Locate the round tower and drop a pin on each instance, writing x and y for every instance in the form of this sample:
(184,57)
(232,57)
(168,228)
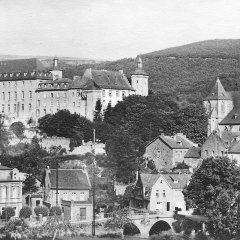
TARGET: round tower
(139,79)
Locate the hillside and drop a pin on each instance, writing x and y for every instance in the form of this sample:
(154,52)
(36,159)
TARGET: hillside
(177,71)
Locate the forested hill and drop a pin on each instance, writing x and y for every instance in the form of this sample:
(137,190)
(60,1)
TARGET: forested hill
(186,72)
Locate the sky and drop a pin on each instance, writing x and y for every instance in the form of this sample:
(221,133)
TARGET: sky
(112,29)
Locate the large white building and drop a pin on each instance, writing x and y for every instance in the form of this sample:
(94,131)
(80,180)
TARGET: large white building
(29,90)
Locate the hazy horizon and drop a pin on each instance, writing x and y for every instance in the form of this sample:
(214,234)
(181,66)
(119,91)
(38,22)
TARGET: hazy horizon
(112,29)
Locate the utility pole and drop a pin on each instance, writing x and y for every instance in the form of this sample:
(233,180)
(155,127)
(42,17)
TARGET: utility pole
(93,186)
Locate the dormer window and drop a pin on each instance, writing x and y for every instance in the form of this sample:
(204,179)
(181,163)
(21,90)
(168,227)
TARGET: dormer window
(24,74)
(32,73)
(213,94)
(17,74)
(234,116)
(11,74)
(5,75)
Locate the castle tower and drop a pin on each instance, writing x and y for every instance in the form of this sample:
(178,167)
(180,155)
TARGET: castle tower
(217,104)
(56,71)
(139,79)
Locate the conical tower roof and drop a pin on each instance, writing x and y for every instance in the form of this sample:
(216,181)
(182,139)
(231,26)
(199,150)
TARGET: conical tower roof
(218,92)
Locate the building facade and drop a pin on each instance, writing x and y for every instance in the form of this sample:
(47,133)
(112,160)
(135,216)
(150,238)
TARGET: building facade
(167,151)
(73,190)
(10,189)
(29,90)
(160,192)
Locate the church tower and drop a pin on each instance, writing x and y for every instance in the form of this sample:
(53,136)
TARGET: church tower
(217,104)
(56,71)
(139,79)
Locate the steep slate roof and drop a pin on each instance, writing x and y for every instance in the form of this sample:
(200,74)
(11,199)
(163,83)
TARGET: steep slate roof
(233,118)
(69,179)
(177,181)
(235,148)
(218,92)
(107,79)
(185,142)
(214,140)
(148,180)
(194,152)
(21,65)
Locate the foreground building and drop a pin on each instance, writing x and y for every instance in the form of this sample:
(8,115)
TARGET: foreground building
(73,192)
(10,189)
(29,90)
(160,192)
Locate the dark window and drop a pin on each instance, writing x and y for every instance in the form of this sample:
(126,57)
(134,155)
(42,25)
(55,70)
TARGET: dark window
(37,202)
(168,206)
(83,213)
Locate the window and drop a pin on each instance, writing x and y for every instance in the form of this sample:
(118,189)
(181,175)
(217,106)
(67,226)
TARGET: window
(15,84)
(78,103)
(14,193)
(82,196)
(117,93)
(23,83)
(15,107)
(73,104)
(168,206)
(51,95)
(30,107)
(83,213)
(2,107)
(30,94)
(234,116)
(213,153)
(110,93)
(9,96)
(157,193)
(9,108)
(3,94)
(164,193)
(65,196)
(38,112)
(9,84)
(123,93)
(78,93)
(222,153)
(74,196)
(44,111)
(15,96)
(22,95)
(37,202)
(103,93)
(22,107)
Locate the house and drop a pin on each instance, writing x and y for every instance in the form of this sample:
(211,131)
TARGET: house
(30,90)
(223,109)
(160,192)
(213,146)
(10,189)
(73,192)
(167,151)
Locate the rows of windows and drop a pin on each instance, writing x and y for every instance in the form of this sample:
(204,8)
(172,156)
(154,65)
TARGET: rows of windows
(16,83)
(118,93)
(15,107)
(15,95)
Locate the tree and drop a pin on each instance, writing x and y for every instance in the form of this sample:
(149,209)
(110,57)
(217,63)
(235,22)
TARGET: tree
(18,129)
(29,185)
(55,211)
(213,191)
(98,111)
(4,135)
(25,212)
(41,210)
(118,219)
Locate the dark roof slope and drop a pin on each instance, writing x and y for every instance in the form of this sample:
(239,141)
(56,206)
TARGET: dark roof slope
(21,65)
(108,79)
(235,148)
(194,152)
(218,92)
(69,179)
(148,180)
(177,181)
(4,168)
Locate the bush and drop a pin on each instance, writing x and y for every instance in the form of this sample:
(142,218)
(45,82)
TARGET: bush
(41,210)
(55,210)
(25,212)
(8,213)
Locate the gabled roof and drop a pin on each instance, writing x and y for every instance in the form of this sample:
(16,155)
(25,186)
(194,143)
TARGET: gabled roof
(218,92)
(214,140)
(148,180)
(177,141)
(235,148)
(194,152)
(21,65)
(177,181)
(70,179)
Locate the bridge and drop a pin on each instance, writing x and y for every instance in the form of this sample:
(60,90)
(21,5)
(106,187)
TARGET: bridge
(150,222)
